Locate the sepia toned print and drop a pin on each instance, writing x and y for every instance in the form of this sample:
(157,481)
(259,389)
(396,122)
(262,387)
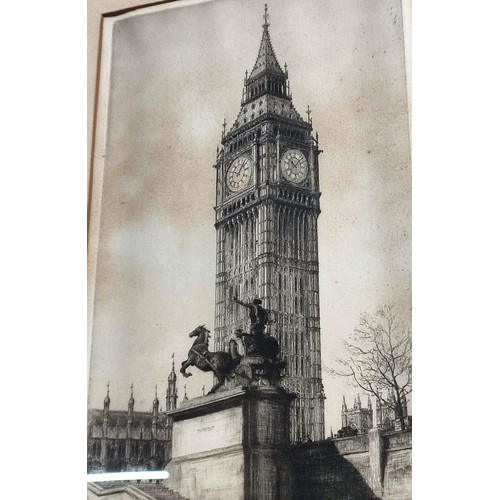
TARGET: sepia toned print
(287,129)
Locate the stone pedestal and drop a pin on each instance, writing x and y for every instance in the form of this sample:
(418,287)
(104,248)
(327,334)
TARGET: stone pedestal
(232,445)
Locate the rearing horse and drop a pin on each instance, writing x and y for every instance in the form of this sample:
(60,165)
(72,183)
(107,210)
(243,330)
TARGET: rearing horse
(221,363)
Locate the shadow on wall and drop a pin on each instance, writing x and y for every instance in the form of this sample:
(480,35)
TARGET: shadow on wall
(321,473)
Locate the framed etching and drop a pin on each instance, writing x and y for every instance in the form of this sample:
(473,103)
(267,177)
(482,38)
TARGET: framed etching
(250,225)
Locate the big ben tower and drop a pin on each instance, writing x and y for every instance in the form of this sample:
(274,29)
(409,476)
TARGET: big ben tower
(267,208)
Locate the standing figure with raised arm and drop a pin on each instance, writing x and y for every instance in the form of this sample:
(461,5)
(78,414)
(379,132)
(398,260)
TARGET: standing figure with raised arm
(258,315)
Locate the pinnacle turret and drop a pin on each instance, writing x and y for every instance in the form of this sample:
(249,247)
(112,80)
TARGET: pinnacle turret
(173,376)
(172,388)
(107,400)
(156,401)
(131,401)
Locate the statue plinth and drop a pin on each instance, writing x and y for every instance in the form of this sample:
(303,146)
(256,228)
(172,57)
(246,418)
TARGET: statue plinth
(232,444)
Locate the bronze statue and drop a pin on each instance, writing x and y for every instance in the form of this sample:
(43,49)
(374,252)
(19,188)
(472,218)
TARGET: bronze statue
(221,363)
(256,342)
(258,315)
(259,366)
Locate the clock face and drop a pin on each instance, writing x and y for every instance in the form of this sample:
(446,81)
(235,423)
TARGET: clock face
(238,174)
(294,165)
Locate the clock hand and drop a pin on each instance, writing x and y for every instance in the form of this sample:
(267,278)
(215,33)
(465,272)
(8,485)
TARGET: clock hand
(241,166)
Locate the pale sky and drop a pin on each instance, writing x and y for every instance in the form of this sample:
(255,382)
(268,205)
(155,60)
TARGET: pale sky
(176,74)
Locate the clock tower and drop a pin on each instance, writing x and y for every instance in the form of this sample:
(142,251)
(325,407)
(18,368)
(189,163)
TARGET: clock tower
(267,208)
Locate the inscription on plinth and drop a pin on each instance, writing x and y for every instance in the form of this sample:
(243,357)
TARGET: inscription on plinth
(207,432)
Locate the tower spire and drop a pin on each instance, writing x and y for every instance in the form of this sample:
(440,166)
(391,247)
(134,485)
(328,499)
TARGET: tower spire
(266,59)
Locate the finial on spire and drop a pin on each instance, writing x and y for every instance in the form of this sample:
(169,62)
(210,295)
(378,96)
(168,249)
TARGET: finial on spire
(132,390)
(107,389)
(309,115)
(156,390)
(185,393)
(173,361)
(224,128)
(266,17)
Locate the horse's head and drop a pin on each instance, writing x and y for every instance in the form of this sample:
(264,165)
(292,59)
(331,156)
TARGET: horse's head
(199,331)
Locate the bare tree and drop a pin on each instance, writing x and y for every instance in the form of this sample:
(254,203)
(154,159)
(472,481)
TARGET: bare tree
(378,359)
